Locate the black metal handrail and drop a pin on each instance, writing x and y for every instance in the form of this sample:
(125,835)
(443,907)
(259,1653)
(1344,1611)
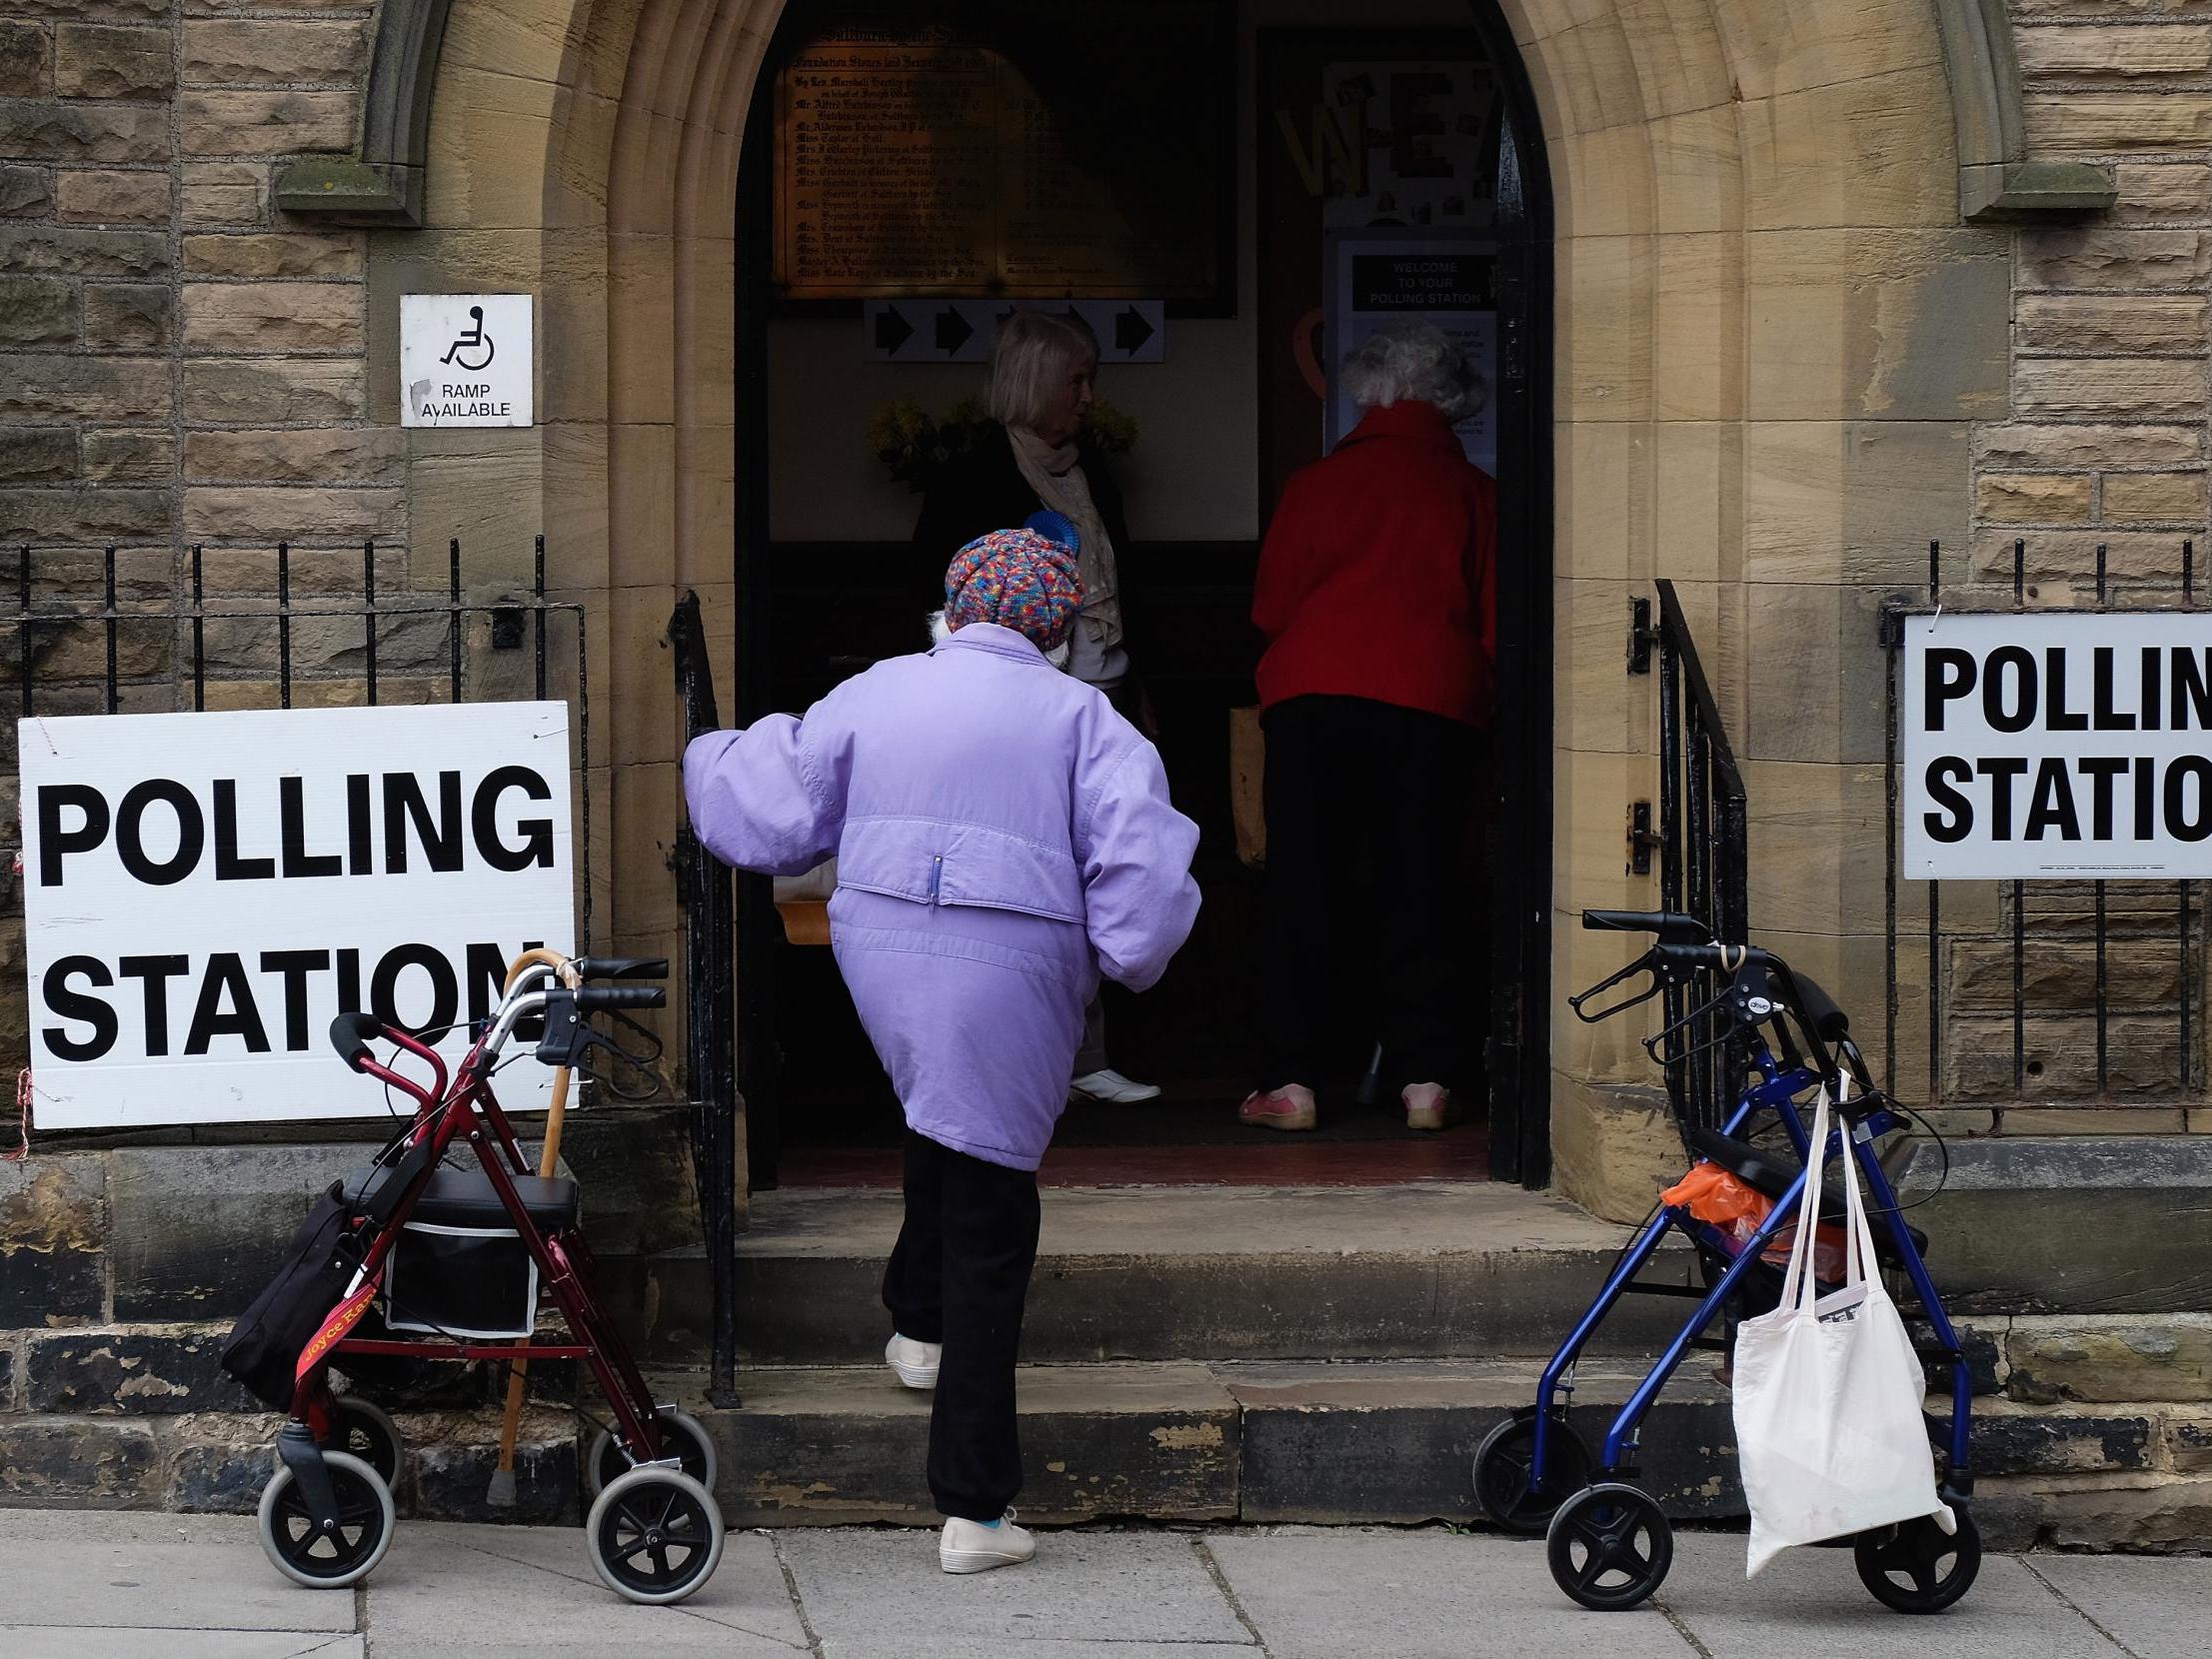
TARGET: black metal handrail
(1704,856)
(710,919)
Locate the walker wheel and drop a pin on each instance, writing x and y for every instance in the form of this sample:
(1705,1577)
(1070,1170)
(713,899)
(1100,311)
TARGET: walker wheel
(1611,1546)
(366,1430)
(654,1535)
(1916,1567)
(682,1435)
(1501,1471)
(328,1561)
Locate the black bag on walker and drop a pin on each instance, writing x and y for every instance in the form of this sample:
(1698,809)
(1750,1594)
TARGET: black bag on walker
(263,1347)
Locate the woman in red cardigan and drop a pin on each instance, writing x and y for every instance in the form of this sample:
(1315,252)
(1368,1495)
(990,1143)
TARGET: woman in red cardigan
(1378,596)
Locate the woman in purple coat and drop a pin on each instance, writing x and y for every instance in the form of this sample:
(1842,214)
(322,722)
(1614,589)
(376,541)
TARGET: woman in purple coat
(1003,839)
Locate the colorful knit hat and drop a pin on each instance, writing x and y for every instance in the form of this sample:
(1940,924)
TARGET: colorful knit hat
(1019,580)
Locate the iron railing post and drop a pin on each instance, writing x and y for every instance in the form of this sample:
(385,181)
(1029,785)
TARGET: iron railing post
(708,932)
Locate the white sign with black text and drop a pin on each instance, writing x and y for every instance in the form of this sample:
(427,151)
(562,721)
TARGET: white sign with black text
(2057,746)
(465,360)
(1376,278)
(205,892)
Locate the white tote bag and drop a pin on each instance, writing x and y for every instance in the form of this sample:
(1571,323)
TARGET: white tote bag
(1828,1393)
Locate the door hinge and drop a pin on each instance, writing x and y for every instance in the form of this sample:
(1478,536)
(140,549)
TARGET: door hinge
(1641,838)
(1642,636)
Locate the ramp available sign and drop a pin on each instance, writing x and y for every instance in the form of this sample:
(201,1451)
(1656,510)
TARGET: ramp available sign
(2057,746)
(204,893)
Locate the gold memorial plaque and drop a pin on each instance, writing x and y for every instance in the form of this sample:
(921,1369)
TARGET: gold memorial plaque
(933,165)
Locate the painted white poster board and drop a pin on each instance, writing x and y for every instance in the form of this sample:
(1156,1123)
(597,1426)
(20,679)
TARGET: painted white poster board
(205,892)
(2057,746)
(1443,278)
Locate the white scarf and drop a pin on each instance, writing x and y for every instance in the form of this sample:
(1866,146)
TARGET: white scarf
(1054,473)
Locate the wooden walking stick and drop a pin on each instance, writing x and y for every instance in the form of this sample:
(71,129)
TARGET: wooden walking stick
(500,1494)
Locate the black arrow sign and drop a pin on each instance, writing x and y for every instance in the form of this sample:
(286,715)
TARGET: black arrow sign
(953,330)
(891,329)
(1131,331)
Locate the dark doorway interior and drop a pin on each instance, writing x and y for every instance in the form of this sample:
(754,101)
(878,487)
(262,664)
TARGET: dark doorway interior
(810,612)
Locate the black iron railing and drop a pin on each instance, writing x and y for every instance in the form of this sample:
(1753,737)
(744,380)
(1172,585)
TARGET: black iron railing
(704,886)
(2035,935)
(1703,845)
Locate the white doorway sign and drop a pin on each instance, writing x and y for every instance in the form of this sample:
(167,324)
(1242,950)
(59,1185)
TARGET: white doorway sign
(204,893)
(465,360)
(2066,745)
(1446,279)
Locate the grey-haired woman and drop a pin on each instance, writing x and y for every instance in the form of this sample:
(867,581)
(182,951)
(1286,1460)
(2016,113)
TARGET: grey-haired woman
(1034,456)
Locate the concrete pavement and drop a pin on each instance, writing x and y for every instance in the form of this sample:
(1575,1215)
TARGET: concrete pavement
(78,1584)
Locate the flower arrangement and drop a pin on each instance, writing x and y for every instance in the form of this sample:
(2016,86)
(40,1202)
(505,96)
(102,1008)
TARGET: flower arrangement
(1112,430)
(914,446)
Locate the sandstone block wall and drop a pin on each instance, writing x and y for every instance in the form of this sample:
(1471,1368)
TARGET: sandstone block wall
(2103,444)
(1783,367)
(173,351)
(181,365)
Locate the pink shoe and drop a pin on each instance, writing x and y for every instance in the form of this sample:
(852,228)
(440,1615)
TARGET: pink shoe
(1429,1106)
(1288,1107)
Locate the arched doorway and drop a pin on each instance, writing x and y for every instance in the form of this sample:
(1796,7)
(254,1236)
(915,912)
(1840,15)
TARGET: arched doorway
(819,586)
(1775,332)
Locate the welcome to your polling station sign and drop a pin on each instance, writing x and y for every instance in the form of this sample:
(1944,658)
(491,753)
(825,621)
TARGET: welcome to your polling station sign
(205,892)
(2057,746)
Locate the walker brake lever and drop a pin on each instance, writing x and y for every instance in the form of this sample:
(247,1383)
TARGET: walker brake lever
(1652,1045)
(654,1047)
(571,1042)
(1642,964)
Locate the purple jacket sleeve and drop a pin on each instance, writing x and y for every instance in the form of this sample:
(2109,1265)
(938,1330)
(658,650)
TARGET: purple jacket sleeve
(1139,898)
(757,802)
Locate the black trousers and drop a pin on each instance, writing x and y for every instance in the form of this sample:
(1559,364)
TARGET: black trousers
(1368,801)
(958,1275)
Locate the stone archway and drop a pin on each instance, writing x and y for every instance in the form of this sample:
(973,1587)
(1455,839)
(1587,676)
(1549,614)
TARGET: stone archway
(1773,331)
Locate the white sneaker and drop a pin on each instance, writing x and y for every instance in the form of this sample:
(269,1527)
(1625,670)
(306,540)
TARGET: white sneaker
(971,1547)
(1112,1087)
(915,1362)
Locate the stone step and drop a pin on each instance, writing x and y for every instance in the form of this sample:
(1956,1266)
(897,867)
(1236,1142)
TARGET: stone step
(1256,1441)
(1384,1441)
(1424,1270)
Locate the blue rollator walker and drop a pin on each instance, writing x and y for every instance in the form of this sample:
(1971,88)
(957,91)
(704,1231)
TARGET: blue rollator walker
(1608,1542)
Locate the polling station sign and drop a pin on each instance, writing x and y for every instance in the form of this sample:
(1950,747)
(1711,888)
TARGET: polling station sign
(2057,746)
(205,892)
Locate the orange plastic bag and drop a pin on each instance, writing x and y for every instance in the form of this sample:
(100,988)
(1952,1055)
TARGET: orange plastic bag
(1714,1195)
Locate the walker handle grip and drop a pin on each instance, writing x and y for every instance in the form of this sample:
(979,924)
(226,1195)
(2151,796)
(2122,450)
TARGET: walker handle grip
(1672,927)
(620,967)
(351,1033)
(592,998)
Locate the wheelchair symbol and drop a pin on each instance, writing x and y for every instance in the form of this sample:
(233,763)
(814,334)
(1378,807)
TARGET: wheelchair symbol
(475,340)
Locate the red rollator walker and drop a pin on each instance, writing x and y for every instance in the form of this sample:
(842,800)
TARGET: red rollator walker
(467,1258)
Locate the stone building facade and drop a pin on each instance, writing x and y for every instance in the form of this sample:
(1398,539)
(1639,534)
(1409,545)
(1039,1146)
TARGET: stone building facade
(1833,280)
